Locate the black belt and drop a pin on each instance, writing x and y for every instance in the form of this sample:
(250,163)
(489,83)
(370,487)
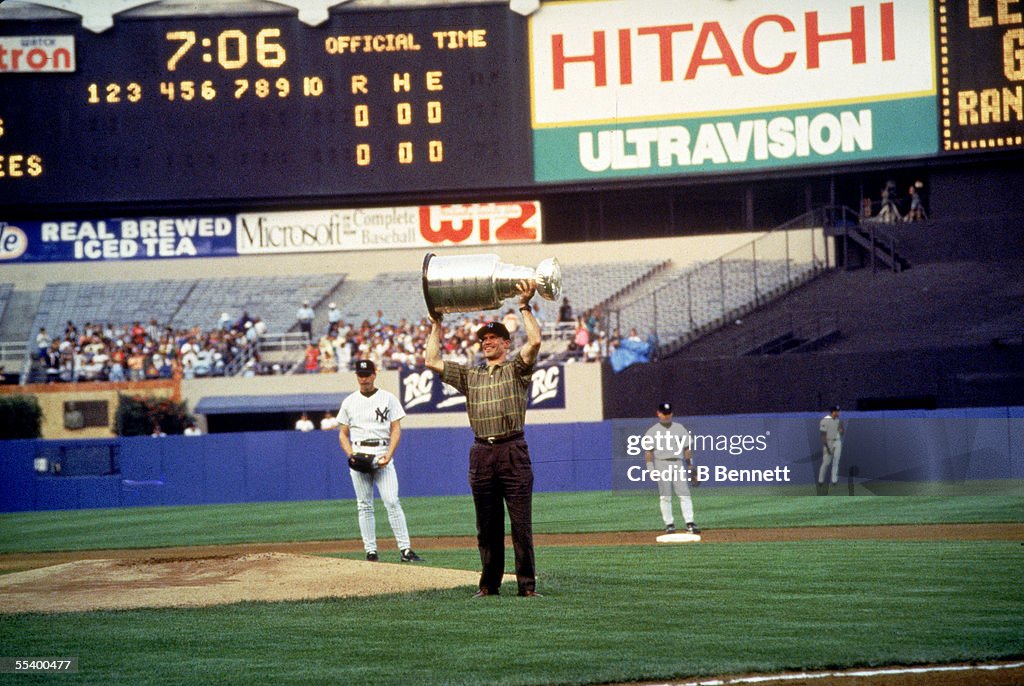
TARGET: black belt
(373,443)
(494,440)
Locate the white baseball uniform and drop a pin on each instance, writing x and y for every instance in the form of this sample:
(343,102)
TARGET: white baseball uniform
(670,442)
(369,421)
(832,427)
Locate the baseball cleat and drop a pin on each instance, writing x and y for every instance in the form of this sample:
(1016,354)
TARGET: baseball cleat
(409,556)
(692,528)
(372,556)
(670,528)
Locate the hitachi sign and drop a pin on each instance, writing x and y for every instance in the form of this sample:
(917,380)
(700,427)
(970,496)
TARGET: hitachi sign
(34,54)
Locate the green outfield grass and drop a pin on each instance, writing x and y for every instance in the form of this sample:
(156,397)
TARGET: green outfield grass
(453,516)
(609,614)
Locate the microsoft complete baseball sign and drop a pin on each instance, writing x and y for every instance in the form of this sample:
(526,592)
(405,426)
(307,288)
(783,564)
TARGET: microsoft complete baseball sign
(625,89)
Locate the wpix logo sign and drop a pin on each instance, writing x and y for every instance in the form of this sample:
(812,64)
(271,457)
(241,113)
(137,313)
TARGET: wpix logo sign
(423,391)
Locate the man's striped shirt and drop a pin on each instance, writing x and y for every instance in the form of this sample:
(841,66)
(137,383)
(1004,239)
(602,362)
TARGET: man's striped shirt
(495,396)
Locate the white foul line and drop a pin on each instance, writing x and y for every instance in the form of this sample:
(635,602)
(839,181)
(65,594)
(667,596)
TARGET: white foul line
(831,675)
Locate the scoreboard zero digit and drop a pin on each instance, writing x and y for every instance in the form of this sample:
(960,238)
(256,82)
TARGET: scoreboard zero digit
(262,108)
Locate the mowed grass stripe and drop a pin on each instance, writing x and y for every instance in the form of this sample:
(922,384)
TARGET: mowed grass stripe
(594,511)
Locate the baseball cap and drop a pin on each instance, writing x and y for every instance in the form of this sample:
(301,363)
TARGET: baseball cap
(665,408)
(497,328)
(834,408)
(365,368)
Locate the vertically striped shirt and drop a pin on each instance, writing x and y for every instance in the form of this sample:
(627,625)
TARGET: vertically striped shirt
(495,396)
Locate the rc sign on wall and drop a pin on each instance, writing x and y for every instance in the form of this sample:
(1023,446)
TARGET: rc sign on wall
(423,391)
(665,87)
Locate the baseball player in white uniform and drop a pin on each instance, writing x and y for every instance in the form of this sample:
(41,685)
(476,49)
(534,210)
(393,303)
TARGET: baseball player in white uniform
(831,430)
(370,423)
(671,441)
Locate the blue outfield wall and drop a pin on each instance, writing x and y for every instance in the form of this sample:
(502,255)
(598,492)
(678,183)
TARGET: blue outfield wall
(281,465)
(880,448)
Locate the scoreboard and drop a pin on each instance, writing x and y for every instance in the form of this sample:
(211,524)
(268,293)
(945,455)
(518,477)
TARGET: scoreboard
(169,108)
(235,108)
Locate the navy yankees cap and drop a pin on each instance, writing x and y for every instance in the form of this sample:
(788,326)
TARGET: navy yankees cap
(665,408)
(365,368)
(497,328)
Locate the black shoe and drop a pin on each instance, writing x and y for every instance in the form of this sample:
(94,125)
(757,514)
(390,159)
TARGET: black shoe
(409,556)
(692,528)
(372,556)
(670,528)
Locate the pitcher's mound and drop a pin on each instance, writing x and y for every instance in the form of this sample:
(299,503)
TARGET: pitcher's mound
(124,584)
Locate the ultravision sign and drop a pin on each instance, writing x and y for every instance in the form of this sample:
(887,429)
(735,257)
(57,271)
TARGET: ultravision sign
(664,87)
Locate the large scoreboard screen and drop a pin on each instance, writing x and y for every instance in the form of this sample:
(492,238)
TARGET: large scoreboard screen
(178,108)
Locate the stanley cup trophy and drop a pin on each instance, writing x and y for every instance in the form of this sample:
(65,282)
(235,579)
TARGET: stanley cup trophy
(467,283)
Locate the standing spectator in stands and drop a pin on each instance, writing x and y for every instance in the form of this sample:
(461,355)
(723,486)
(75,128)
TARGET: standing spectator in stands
(305,316)
(224,323)
(916,213)
(592,353)
(329,422)
(136,364)
(138,334)
(379,322)
(261,328)
(333,317)
(42,343)
(328,361)
(565,311)
(304,424)
(312,358)
(158,432)
(118,360)
(581,339)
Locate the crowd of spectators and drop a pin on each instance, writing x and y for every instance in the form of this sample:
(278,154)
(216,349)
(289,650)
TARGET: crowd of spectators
(135,352)
(393,345)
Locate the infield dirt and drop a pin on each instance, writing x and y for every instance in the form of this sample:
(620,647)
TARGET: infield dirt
(76,581)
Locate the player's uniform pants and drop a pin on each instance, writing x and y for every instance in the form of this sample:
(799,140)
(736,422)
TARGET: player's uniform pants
(830,456)
(679,485)
(386,480)
(501,475)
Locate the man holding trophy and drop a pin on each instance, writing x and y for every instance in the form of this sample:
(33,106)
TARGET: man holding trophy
(500,473)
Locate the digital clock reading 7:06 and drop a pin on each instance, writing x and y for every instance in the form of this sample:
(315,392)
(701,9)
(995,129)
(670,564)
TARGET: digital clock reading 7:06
(266,108)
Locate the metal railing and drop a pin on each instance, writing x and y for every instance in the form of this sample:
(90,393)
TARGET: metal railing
(712,293)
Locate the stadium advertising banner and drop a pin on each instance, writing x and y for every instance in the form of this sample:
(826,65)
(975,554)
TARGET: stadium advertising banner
(624,89)
(424,392)
(145,238)
(425,226)
(981,58)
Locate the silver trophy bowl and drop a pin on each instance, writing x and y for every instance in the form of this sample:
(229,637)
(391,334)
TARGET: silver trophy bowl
(467,283)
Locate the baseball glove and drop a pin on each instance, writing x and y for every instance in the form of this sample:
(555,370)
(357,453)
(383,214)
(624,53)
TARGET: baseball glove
(694,478)
(361,462)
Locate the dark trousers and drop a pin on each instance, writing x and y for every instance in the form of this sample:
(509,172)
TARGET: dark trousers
(501,475)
